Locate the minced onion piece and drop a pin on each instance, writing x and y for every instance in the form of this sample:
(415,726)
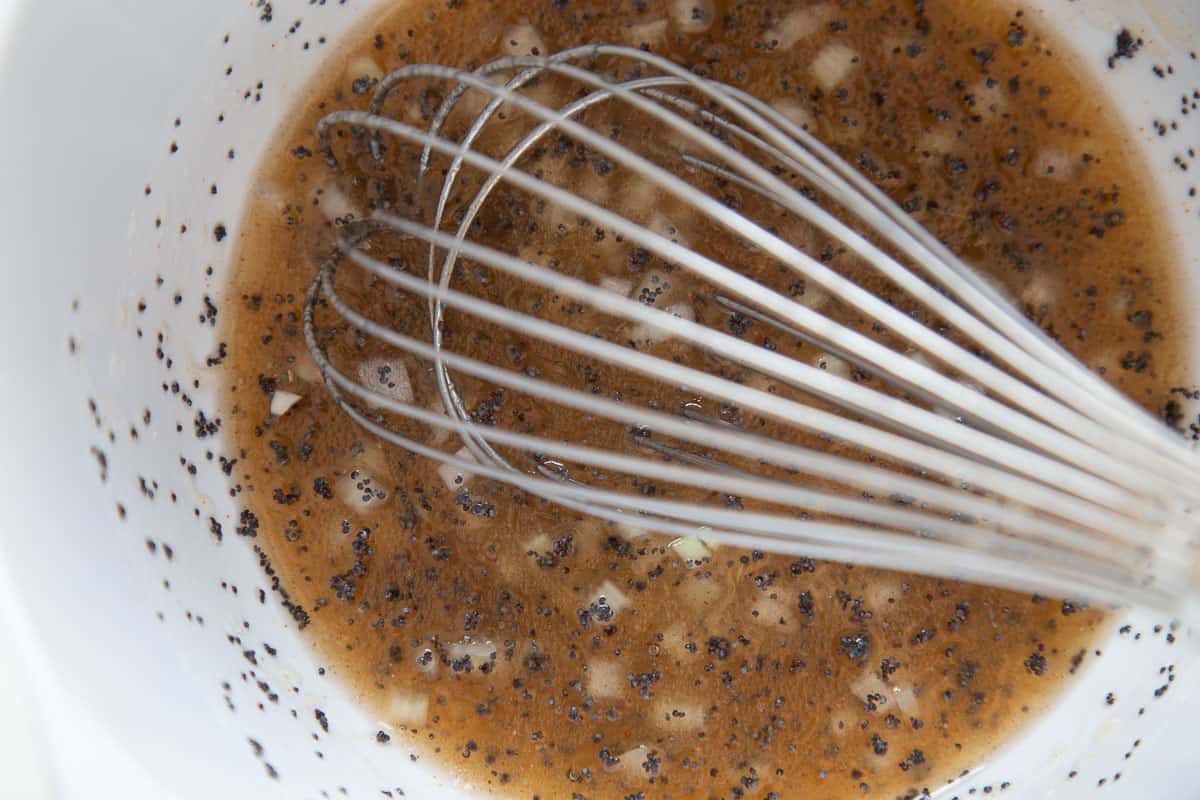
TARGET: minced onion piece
(795,112)
(480,651)
(895,696)
(456,481)
(358,489)
(832,365)
(605,679)
(630,763)
(833,64)
(523,40)
(691,549)
(647,33)
(796,25)
(1054,164)
(692,16)
(613,597)
(621,286)
(387,378)
(282,402)
(363,67)
(408,708)
(652,333)
(334,203)
(770,611)
(678,716)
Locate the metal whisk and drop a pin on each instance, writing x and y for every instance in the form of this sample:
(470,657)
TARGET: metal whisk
(990,455)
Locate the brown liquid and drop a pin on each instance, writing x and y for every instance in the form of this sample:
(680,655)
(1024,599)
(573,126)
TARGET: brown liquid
(466,617)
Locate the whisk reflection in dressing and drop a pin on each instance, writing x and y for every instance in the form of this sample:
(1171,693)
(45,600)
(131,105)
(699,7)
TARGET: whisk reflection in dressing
(1019,468)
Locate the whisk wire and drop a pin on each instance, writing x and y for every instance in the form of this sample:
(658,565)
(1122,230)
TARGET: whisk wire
(1000,483)
(964,541)
(969,401)
(1041,478)
(830,387)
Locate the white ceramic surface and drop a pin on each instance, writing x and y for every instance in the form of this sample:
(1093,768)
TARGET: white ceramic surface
(189,662)
(23,762)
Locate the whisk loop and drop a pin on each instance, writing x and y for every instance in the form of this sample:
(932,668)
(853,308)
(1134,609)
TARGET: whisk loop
(991,455)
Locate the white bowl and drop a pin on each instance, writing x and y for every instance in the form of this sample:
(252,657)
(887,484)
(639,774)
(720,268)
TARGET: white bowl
(91,99)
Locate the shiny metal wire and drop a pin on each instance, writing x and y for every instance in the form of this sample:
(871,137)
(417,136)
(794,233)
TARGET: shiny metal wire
(1025,470)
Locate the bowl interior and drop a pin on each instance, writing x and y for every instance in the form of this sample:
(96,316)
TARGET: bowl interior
(153,613)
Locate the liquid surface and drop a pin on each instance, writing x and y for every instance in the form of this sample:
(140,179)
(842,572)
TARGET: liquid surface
(546,654)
